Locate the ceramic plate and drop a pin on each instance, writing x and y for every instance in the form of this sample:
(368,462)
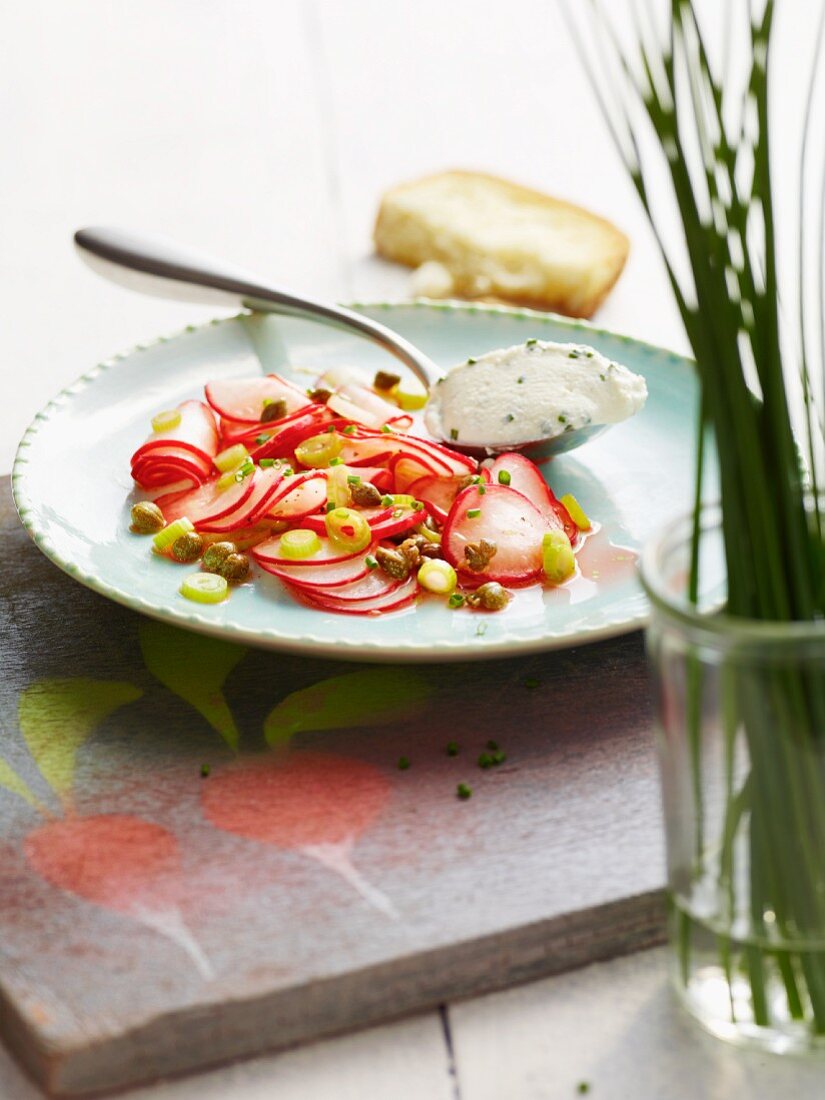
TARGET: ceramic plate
(73,490)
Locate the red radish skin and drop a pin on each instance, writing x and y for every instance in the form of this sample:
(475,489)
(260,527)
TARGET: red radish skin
(314,803)
(396,597)
(269,552)
(525,478)
(506,518)
(188,448)
(121,863)
(310,577)
(242,399)
(207,503)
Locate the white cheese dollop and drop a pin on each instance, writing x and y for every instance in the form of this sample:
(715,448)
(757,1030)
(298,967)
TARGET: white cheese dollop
(531,391)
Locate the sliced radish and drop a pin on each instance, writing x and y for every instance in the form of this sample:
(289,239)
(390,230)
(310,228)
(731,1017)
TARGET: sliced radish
(320,577)
(189,447)
(506,518)
(392,598)
(437,493)
(302,500)
(269,553)
(284,440)
(525,478)
(406,471)
(242,399)
(378,410)
(206,503)
(398,522)
(373,516)
(378,476)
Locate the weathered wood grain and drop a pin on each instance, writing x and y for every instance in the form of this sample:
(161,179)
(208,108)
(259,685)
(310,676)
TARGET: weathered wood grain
(221,945)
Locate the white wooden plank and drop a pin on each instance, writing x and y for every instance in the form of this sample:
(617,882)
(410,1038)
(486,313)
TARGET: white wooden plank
(618,1027)
(406,1061)
(497,89)
(195,120)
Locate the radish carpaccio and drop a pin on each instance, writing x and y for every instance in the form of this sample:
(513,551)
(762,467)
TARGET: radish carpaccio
(338,493)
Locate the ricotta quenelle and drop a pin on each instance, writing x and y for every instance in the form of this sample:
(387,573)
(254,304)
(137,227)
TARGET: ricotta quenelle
(531,391)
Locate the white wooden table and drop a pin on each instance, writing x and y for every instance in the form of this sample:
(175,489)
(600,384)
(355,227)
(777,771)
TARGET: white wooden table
(265,131)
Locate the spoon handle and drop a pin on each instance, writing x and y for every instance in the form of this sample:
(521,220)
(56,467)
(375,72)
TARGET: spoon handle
(155,266)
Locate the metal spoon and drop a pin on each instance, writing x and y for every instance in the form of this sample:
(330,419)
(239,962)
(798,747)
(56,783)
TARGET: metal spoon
(163,269)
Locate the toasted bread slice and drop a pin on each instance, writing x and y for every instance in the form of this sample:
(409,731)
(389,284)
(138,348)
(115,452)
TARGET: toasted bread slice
(499,240)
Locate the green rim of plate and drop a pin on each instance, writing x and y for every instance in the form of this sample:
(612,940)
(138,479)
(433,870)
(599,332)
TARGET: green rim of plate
(315,644)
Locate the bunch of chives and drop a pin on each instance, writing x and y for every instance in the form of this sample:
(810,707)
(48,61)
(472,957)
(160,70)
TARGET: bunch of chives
(658,90)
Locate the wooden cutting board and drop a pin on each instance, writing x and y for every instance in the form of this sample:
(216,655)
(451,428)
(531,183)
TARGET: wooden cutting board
(155,918)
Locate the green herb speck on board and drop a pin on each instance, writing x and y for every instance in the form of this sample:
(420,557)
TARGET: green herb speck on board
(531,682)
(205,770)
(403,763)
(464,792)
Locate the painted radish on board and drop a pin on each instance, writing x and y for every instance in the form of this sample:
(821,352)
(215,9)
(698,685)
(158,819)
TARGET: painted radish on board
(314,803)
(118,861)
(121,863)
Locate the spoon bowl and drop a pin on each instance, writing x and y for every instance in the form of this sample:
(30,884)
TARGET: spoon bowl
(158,267)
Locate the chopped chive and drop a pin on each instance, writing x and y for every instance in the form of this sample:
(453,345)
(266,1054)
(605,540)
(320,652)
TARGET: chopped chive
(453,433)
(371,563)
(403,763)
(456,600)
(263,438)
(562,418)
(266,463)
(504,477)
(353,479)
(574,355)
(416,505)
(531,682)
(205,770)
(471,361)
(499,757)
(473,513)
(492,746)
(485,761)
(583,1087)
(349,430)
(463,791)
(452,748)
(530,343)
(509,418)
(330,430)
(603,377)
(336,462)
(387,500)
(288,471)
(520,379)
(386,428)
(330,506)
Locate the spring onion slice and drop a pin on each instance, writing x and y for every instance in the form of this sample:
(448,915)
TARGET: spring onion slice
(437,576)
(557,557)
(205,588)
(338,493)
(231,458)
(299,544)
(348,530)
(319,450)
(576,512)
(167,420)
(172,532)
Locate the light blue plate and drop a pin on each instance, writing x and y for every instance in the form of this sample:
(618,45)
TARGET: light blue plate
(73,490)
